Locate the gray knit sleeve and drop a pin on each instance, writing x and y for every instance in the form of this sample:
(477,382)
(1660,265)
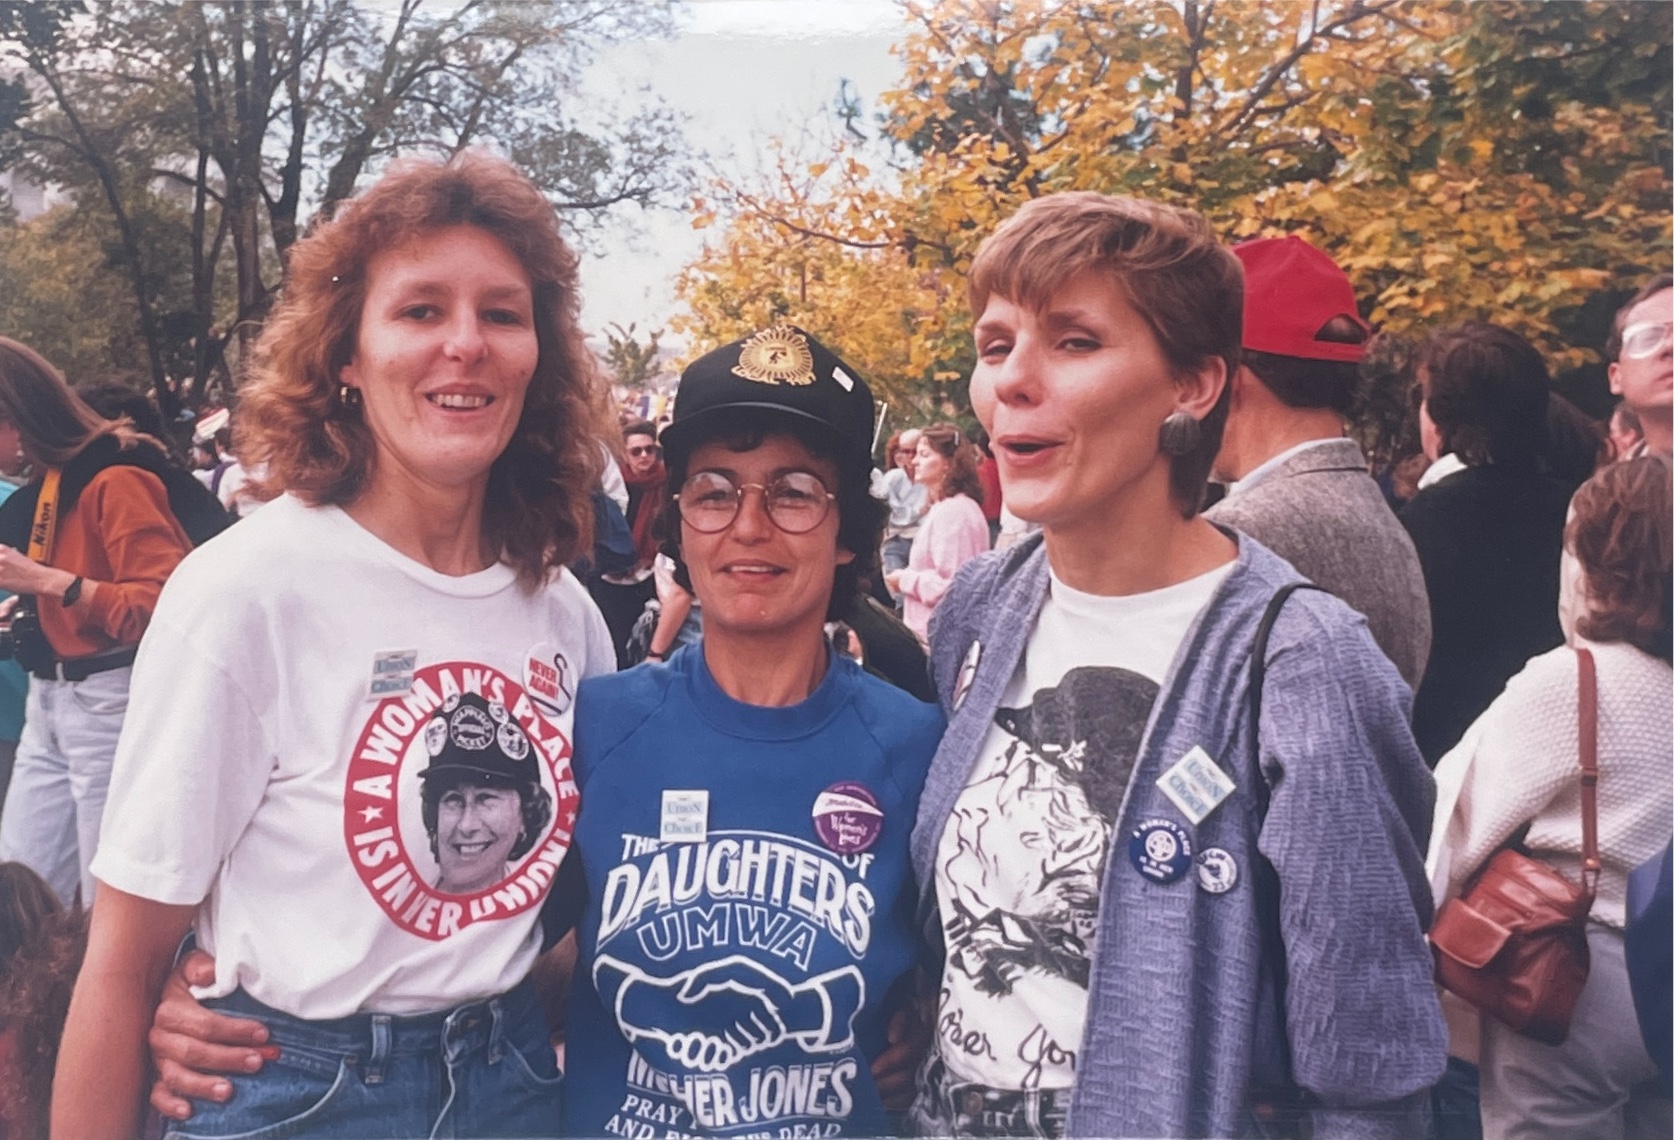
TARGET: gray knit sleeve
(1345,831)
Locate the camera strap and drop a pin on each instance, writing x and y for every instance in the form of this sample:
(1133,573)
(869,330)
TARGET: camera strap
(45,527)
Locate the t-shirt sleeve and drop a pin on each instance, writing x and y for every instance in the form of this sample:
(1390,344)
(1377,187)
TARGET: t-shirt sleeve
(193,763)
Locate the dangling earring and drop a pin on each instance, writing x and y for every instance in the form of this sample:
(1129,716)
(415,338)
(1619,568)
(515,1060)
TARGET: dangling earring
(1179,435)
(349,396)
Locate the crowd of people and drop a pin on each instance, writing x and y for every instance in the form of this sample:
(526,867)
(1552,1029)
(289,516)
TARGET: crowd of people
(519,770)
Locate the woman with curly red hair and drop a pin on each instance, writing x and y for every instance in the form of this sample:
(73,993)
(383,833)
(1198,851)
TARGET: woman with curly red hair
(396,629)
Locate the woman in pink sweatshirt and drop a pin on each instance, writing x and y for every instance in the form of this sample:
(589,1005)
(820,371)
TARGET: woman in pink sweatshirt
(952,533)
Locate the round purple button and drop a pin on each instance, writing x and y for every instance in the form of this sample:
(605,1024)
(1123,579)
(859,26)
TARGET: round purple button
(847,818)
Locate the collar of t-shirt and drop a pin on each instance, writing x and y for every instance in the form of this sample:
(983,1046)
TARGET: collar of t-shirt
(1141,632)
(759,722)
(1263,470)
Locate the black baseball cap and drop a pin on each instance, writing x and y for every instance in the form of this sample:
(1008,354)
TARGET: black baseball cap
(474,739)
(780,369)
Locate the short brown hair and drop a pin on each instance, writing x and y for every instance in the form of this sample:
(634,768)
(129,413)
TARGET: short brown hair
(956,447)
(1613,345)
(1186,285)
(290,416)
(1623,537)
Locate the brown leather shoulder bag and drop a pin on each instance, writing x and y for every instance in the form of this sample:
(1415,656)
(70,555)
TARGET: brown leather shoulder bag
(1514,943)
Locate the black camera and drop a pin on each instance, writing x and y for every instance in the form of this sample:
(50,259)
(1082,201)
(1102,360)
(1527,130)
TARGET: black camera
(24,639)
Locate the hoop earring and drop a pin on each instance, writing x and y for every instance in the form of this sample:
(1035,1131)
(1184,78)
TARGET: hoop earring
(349,396)
(1179,435)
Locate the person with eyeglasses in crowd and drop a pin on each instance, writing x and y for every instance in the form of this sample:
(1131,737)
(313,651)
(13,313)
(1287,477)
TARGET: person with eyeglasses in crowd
(1640,351)
(1641,355)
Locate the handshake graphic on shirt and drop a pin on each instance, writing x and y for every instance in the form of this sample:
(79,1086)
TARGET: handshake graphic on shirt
(710,1017)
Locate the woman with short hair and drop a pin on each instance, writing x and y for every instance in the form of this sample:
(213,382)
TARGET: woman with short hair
(1171,906)
(749,927)
(399,613)
(954,530)
(1518,766)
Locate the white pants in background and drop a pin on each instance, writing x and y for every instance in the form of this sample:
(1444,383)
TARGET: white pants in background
(1600,1084)
(51,817)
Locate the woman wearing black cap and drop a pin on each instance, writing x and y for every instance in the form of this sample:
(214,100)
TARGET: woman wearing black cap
(484,806)
(748,929)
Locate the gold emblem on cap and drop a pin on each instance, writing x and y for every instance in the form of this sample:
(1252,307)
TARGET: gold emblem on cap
(779,355)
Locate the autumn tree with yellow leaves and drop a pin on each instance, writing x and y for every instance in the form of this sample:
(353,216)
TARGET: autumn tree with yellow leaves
(1499,160)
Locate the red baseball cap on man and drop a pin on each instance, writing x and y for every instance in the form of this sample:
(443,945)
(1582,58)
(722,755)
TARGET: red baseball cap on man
(1291,292)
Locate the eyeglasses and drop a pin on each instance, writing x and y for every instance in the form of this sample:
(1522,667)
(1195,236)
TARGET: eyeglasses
(648,449)
(796,501)
(1644,339)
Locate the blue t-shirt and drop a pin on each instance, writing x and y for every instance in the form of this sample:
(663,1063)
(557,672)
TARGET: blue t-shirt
(750,902)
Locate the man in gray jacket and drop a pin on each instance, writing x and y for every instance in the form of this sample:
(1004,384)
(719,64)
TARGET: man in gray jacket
(1297,484)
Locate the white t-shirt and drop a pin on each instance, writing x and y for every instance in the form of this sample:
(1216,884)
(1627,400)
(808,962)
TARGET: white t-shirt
(1019,867)
(270,763)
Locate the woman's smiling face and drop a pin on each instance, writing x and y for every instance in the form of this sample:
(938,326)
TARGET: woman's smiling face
(752,577)
(444,354)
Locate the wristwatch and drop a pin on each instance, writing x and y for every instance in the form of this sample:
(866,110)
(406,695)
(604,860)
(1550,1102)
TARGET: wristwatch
(72,592)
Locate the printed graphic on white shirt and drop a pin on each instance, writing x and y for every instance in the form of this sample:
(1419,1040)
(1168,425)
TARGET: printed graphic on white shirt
(731,966)
(1019,869)
(460,802)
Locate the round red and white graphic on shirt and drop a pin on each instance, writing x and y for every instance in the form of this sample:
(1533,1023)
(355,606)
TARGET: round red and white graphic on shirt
(460,801)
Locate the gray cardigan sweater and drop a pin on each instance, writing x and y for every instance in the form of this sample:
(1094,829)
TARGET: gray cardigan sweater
(1183,1024)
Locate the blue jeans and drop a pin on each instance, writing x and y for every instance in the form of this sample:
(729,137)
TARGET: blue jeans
(482,1070)
(894,552)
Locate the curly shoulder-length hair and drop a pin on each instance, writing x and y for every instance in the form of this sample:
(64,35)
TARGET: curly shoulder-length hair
(956,447)
(315,445)
(41,948)
(1622,534)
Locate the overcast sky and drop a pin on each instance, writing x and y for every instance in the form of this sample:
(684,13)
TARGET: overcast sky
(742,71)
